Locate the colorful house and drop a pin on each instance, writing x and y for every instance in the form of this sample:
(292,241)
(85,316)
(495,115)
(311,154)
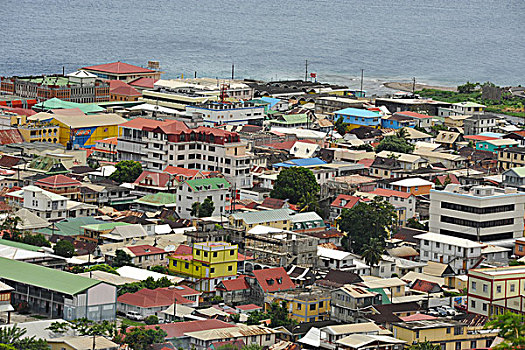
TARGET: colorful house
(358,117)
(398,122)
(496,145)
(84,131)
(304,305)
(208,264)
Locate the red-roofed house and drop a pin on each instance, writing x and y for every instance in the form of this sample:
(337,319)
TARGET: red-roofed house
(9,136)
(152,301)
(234,291)
(154,182)
(344,201)
(404,202)
(178,329)
(121,71)
(422,120)
(121,91)
(268,281)
(62,185)
(274,203)
(426,287)
(183,174)
(248,308)
(146,256)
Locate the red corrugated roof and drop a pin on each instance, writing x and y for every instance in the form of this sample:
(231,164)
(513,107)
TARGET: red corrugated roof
(273,280)
(424,286)
(158,297)
(390,193)
(177,329)
(125,90)
(119,68)
(350,201)
(238,283)
(183,250)
(141,250)
(248,307)
(479,137)
(20,111)
(110,140)
(366,162)
(57,181)
(143,82)
(182,173)
(417,317)
(10,136)
(158,179)
(273,203)
(414,114)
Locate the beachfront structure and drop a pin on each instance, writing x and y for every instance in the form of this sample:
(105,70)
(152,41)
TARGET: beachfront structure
(58,294)
(121,71)
(191,191)
(207,264)
(483,213)
(494,291)
(358,117)
(236,113)
(81,87)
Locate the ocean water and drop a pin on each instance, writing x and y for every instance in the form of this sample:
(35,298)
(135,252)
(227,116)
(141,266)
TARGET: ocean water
(438,42)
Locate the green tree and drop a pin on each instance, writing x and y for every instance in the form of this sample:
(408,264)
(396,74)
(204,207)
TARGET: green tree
(64,248)
(252,347)
(86,327)
(38,240)
(414,223)
(426,345)
(367,220)
(195,209)
(7,347)
(279,315)
(395,143)
(467,88)
(511,328)
(10,228)
(309,202)
(206,208)
(140,338)
(122,259)
(372,252)
(127,171)
(101,267)
(293,183)
(15,337)
(341,126)
(148,283)
(151,319)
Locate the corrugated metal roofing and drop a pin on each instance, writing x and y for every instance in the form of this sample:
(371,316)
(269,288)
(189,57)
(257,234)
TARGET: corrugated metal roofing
(263,216)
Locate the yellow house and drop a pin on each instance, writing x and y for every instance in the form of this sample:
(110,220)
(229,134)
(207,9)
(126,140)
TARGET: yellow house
(85,130)
(449,334)
(277,218)
(304,305)
(208,264)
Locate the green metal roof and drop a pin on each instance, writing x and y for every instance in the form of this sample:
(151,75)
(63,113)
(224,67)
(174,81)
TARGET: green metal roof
(49,165)
(14,244)
(49,80)
(70,227)
(44,277)
(214,183)
(384,296)
(291,119)
(56,103)
(105,226)
(158,199)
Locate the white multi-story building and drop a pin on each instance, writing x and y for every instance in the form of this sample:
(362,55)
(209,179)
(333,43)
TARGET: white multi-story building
(46,205)
(157,144)
(461,254)
(236,113)
(481,213)
(198,190)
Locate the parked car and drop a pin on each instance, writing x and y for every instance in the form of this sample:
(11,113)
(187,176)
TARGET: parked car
(134,315)
(450,311)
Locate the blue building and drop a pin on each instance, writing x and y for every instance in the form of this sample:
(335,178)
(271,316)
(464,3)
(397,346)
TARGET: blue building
(299,162)
(358,117)
(397,122)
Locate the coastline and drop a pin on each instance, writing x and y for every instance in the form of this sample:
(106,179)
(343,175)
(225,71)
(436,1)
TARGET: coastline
(408,86)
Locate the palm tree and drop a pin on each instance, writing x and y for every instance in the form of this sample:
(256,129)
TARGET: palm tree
(308,202)
(426,345)
(372,252)
(402,133)
(195,209)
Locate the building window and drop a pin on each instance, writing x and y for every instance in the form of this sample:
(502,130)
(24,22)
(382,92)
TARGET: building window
(473,285)
(230,268)
(312,307)
(212,270)
(458,330)
(484,307)
(448,330)
(417,334)
(485,288)
(473,344)
(472,303)
(299,306)
(512,287)
(498,289)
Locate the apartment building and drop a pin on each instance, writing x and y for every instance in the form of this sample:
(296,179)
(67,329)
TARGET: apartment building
(160,144)
(481,213)
(46,205)
(511,157)
(494,291)
(207,265)
(304,305)
(198,190)
(350,302)
(479,123)
(62,185)
(461,254)
(235,113)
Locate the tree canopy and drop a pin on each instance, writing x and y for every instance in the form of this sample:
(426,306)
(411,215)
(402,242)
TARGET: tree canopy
(122,259)
(148,283)
(204,209)
(277,313)
(372,252)
(366,221)
(127,171)
(140,338)
(426,345)
(64,248)
(294,183)
(15,338)
(511,328)
(395,143)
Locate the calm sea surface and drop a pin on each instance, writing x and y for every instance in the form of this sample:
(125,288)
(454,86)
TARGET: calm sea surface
(440,42)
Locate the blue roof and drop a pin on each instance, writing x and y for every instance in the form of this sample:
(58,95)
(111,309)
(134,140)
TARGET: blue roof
(300,162)
(357,112)
(270,100)
(492,134)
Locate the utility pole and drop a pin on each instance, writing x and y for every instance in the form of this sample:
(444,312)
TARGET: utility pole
(362,74)
(413,85)
(233,71)
(306,71)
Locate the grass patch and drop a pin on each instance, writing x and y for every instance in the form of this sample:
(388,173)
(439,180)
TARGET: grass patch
(130,323)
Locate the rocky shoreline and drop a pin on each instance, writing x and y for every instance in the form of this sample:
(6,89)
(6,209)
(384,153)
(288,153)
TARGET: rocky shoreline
(408,86)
